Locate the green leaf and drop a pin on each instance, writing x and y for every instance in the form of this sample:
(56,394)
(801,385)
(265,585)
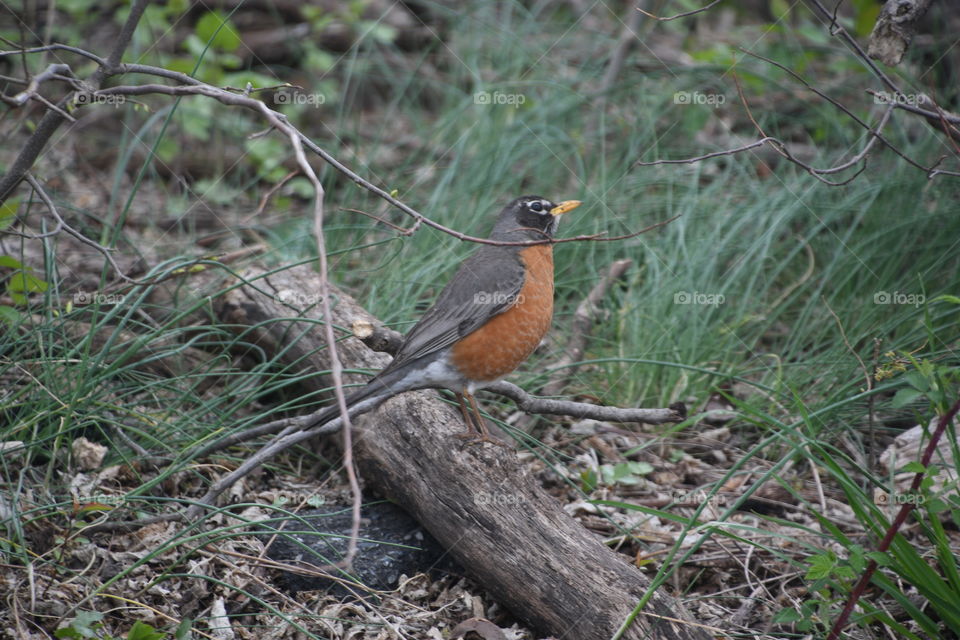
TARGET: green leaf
(8,212)
(821,566)
(640,468)
(947,298)
(9,315)
(318,60)
(10,261)
(216,191)
(779,9)
(914,467)
(917,380)
(904,397)
(301,188)
(84,625)
(588,481)
(24,282)
(926,369)
(214,28)
(183,630)
(845,573)
(142,631)
(176,7)
(787,616)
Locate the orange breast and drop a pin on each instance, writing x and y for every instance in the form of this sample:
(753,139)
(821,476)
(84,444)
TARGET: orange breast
(507,339)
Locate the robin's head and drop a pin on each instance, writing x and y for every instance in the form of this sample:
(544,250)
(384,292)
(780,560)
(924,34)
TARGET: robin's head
(530,218)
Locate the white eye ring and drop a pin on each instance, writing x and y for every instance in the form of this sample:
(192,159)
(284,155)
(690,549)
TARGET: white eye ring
(536,205)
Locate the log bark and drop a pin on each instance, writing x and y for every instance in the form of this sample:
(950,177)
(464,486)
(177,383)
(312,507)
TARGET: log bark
(478,501)
(895,28)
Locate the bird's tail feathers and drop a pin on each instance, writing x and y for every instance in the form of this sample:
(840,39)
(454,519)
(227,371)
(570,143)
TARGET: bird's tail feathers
(362,400)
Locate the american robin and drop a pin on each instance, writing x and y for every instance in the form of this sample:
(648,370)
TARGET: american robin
(486,321)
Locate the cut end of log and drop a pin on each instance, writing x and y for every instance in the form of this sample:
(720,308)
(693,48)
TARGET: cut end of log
(362,329)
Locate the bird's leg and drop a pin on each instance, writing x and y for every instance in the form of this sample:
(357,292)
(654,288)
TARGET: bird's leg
(476,426)
(481,423)
(471,431)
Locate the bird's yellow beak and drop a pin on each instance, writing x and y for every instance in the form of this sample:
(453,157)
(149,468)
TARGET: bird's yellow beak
(563,207)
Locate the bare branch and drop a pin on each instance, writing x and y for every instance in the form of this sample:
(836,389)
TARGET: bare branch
(404,231)
(56,47)
(875,134)
(776,144)
(73,232)
(291,431)
(52,71)
(52,119)
(837,30)
(685,14)
(580,410)
(336,366)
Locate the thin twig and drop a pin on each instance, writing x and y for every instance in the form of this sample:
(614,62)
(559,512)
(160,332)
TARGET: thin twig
(56,47)
(875,132)
(401,230)
(685,14)
(192,86)
(773,142)
(52,71)
(269,194)
(336,366)
(73,232)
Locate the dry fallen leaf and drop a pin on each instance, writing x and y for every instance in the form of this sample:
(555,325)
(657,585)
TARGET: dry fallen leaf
(87,454)
(478,627)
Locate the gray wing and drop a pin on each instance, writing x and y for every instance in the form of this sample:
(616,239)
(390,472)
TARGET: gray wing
(486,284)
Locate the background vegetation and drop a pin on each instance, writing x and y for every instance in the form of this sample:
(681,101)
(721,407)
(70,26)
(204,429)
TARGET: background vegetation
(825,316)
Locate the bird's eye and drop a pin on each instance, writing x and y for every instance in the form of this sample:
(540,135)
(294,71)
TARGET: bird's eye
(536,206)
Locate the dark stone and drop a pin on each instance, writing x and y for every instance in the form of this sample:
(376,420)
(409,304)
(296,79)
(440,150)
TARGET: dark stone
(391,544)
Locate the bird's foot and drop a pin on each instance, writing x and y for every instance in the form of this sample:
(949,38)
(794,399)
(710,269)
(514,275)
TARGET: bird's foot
(473,436)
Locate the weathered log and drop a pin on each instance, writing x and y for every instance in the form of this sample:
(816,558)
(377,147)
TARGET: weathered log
(895,28)
(478,501)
